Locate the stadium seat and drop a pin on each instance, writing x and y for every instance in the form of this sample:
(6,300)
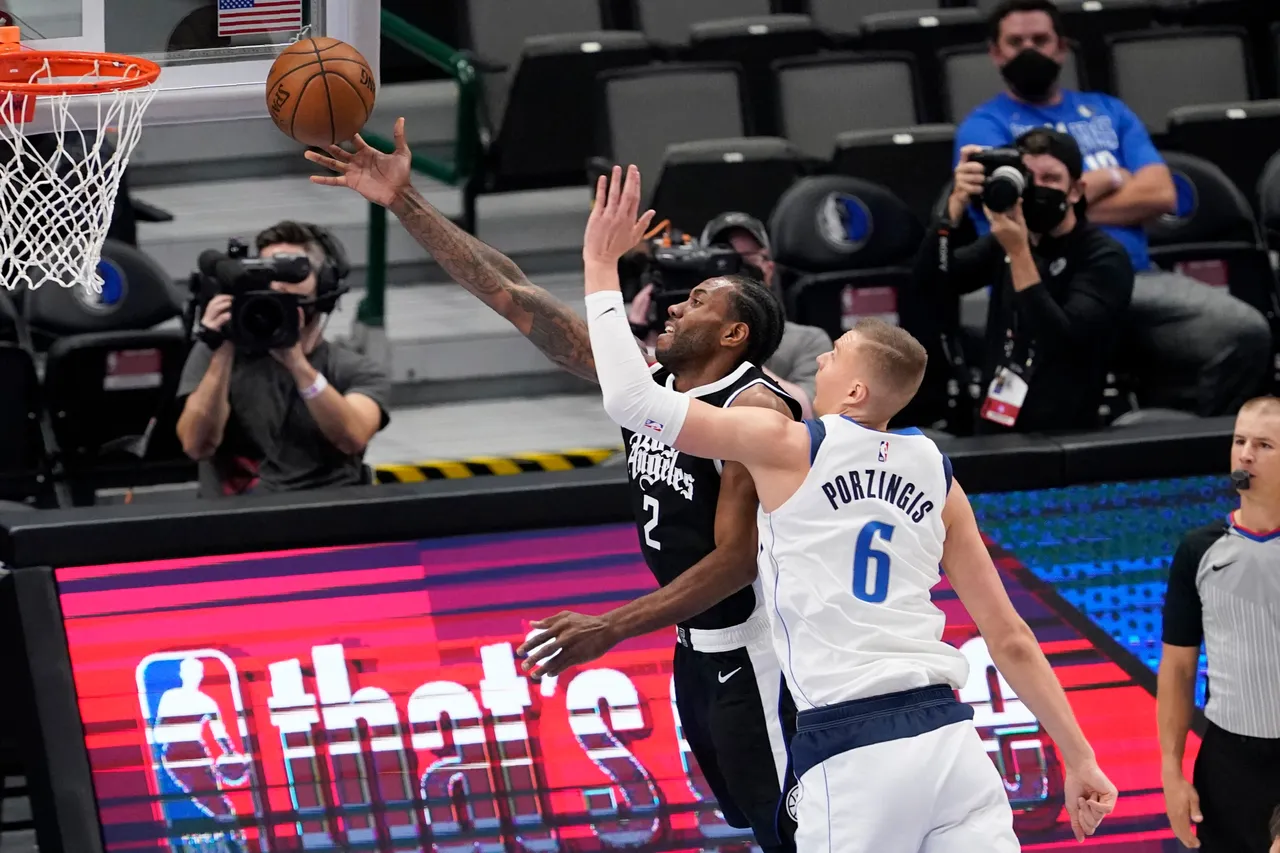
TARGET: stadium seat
(529,151)
(111,398)
(23,471)
(843,18)
(1199,13)
(1268,194)
(647,109)
(1213,236)
(1273,53)
(1240,138)
(925,35)
(137,294)
(669,23)
(910,161)
(846,245)
(847,248)
(970,78)
(876,91)
(1154,72)
(498,31)
(755,43)
(700,180)
(1090,22)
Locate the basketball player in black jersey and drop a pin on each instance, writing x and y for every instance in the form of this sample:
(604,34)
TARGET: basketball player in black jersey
(695,518)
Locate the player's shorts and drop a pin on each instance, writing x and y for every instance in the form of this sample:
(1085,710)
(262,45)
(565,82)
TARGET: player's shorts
(1238,780)
(900,773)
(737,717)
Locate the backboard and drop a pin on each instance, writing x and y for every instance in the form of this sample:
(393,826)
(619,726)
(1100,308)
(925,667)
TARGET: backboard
(215,54)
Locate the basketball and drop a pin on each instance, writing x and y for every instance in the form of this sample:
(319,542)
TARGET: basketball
(321,91)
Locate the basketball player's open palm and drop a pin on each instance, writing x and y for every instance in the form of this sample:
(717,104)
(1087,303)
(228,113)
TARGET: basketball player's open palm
(377,176)
(613,229)
(1090,796)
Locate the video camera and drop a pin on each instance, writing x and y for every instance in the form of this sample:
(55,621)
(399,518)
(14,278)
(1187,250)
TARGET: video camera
(261,319)
(674,266)
(1007,179)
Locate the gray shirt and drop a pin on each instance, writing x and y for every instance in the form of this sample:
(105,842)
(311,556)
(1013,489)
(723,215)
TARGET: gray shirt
(272,429)
(1224,589)
(796,360)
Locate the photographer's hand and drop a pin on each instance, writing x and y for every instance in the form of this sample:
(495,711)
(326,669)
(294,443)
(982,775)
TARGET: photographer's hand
(295,357)
(1010,229)
(378,177)
(969,180)
(217,313)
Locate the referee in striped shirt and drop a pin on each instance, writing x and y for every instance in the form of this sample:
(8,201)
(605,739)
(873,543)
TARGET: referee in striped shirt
(1224,590)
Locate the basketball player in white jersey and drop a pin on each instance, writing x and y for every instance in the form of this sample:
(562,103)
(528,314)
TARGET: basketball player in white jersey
(854,523)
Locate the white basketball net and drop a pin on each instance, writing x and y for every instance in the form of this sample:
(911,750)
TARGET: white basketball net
(58,187)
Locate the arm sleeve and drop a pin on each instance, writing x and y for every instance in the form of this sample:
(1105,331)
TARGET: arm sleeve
(1136,150)
(1183,619)
(359,374)
(631,398)
(193,370)
(1096,300)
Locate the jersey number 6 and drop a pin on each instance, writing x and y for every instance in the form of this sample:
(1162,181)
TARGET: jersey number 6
(871,566)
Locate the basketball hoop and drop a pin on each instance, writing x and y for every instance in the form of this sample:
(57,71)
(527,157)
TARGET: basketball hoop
(58,189)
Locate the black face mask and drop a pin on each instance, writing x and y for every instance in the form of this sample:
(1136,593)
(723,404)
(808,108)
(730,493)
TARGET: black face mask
(1044,208)
(1031,75)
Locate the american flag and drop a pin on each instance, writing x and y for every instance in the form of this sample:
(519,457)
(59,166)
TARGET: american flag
(243,17)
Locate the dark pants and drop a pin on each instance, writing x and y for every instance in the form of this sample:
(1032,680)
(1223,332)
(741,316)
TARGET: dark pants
(1195,347)
(1238,780)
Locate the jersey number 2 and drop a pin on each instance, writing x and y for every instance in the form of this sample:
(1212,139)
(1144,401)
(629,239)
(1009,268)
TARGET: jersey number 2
(651,504)
(870,565)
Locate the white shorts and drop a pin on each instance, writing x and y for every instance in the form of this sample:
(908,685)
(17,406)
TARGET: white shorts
(901,773)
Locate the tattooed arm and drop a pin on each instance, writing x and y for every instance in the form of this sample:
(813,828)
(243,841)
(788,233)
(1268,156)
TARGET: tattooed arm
(551,325)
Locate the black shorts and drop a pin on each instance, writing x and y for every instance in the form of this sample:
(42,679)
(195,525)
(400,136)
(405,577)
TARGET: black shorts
(738,717)
(1238,780)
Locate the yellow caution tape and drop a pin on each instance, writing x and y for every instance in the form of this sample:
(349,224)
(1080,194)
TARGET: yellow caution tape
(492,466)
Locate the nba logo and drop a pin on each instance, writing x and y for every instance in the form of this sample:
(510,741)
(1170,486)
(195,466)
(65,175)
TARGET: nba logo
(198,739)
(884,451)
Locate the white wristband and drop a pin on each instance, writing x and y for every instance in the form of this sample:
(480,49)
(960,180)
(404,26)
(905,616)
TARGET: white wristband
(316,388)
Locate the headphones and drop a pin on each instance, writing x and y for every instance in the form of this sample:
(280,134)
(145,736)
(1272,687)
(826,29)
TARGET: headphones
(332,275)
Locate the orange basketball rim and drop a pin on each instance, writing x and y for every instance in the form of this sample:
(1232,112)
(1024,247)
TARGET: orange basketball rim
(27,74)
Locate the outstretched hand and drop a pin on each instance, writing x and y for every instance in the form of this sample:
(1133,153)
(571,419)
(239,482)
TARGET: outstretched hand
(377,176)
(613,229)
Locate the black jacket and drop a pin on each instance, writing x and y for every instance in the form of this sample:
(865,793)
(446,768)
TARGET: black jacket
(1071,318)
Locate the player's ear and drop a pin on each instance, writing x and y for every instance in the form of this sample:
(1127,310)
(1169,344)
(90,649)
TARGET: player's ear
(734,334)
(858,393)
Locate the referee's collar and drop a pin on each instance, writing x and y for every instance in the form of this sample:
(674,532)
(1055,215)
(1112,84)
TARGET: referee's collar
(1255,535)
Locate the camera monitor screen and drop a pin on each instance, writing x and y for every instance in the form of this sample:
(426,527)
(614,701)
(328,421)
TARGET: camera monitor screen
(369,698)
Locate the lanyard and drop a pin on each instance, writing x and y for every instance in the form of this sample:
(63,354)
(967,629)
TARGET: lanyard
(1022,366)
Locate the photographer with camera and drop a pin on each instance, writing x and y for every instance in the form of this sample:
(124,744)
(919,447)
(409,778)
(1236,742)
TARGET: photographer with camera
(272,404)
(661,283)
(1060,286)
(1194,347)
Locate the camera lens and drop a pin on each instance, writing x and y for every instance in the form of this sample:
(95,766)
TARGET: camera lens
(261,318)
(1003,189)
